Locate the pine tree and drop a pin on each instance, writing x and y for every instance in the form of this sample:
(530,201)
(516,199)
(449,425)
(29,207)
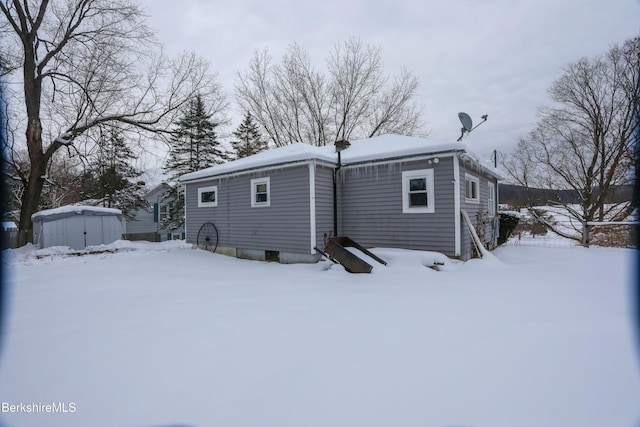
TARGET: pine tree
(112,181)
(249,140)
(194,144)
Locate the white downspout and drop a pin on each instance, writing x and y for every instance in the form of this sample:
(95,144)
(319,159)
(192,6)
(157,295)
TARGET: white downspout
(456,206)
(312,205)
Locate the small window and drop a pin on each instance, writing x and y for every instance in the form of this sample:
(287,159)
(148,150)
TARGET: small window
(208,197)
(417,191)
(472,185)
(260,192)
(491,200)
(163,213)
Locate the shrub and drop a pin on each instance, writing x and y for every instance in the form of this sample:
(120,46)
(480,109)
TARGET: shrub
(508,223)
(613,236)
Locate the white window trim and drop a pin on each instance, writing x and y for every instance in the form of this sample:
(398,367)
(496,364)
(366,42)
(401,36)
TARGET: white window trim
(254,183)
(201,190)
(406,177)
(470,178)
(491,200)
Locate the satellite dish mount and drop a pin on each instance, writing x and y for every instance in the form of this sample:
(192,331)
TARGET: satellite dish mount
(467,124)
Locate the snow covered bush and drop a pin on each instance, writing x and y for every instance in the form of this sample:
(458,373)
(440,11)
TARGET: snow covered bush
(508,223)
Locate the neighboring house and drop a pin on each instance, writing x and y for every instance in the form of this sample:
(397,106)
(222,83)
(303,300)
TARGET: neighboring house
(150,223)
(76,226)
(388,191)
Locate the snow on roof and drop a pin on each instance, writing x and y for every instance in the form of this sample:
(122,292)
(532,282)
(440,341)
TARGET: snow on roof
(378,148)
(70,210)
(8,225)
(288,154)
(393,146)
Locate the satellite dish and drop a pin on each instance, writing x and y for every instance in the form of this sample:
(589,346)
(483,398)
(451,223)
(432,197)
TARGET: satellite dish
(465,119)
(467,124)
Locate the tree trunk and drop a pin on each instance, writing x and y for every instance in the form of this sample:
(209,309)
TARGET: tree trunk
(585,234)
(33,191)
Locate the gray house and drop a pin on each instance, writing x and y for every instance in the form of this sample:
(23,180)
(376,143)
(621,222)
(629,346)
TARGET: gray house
(387,191)
(148,223)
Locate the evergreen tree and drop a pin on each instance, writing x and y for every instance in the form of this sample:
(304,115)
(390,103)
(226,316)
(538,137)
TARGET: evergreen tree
(112,181)
(249,140)
(194,144)
(174,198)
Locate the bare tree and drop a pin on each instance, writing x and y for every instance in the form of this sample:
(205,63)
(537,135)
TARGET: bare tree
(85,63)
(294,102)
(15,171)
(585,144)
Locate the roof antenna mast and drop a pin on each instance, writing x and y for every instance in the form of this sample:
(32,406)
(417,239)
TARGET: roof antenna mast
(467,124)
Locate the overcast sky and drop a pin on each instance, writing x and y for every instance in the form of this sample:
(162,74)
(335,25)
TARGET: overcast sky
(495,57)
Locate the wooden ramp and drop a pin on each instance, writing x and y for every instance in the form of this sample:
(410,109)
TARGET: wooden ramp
(474,236)
(336,252)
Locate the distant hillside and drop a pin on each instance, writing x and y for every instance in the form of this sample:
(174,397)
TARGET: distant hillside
(515,195)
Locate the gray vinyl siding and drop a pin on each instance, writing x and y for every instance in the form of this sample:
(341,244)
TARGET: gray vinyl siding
(142,222)
(324,204)
(143,226)
(473,209)
(143,219)
(283,226)
(371,205)
(492,230)
(370,208)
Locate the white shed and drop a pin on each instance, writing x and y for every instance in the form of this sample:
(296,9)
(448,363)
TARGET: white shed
(76,226)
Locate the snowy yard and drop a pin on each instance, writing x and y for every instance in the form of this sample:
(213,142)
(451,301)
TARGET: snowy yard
(162,335)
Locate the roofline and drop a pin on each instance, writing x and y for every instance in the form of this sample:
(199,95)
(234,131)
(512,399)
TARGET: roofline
(468,156)
(371,162)
(157,187)
(403,158)
(45,216)
(249,170)
(460,152)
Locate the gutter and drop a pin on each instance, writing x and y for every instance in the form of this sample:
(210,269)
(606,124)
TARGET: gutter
(247,171)
(404,158)
(484,168)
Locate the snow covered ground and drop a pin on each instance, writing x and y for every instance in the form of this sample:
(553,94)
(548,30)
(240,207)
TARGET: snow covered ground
(150,335)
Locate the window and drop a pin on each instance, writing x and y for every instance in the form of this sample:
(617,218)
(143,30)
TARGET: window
(260,192)
(208,197)
(417,191)
(491,200)
(472,185)
(164,211)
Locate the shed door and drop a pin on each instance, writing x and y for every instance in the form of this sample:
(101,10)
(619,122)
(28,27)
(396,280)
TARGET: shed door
(73,232)
(93,230)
